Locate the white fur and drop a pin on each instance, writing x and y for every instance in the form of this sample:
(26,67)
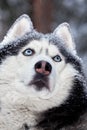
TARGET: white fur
(20,103)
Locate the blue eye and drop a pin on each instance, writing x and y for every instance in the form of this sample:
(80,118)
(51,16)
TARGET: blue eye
(57,58)
(28,52)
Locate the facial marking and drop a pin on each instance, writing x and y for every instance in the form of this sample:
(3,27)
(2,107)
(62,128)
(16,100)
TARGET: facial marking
(46,51)
(34,45)
(43,47)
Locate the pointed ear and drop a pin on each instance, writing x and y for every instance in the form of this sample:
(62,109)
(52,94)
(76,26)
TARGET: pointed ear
(63,32)
(21,26)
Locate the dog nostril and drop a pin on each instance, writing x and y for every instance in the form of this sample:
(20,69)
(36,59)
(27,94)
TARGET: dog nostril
(48,67)
(38,65)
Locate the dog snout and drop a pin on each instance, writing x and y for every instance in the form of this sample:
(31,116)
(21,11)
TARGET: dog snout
(43,67)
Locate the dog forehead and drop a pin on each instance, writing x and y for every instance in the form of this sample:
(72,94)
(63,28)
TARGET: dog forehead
(42,44)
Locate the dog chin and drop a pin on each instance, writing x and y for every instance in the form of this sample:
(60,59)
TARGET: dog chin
(40,84)
(41,93)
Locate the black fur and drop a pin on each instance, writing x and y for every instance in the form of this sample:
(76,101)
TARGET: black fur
(14,47)
(69,57)
(69,112)
(26,127)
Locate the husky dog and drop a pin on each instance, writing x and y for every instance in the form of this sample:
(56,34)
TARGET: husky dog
(42,84)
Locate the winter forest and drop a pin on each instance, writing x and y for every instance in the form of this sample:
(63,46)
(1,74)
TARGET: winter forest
(47,15)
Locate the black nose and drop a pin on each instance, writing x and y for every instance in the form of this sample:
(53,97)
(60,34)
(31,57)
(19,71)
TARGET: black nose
(43,67)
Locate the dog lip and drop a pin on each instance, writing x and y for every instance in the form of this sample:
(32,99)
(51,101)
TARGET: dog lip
(40,83)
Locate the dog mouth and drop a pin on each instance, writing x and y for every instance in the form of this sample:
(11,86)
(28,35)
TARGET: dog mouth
(40,82)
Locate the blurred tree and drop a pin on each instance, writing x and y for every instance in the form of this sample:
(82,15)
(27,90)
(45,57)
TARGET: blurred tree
(9,11)
(42,14)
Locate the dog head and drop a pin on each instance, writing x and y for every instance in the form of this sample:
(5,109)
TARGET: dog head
(37,68)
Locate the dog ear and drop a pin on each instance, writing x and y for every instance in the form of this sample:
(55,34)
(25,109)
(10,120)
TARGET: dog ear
(63,32)
(21,26)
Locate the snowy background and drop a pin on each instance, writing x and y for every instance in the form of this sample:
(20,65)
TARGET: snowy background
(52,13)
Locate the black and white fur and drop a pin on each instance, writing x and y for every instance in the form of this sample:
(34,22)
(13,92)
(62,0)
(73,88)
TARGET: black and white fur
(58,104)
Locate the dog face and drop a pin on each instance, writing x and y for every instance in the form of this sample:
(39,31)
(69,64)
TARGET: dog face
(35,69)
(38,66)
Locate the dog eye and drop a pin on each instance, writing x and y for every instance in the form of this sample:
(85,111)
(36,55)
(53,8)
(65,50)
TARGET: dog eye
(28,52)
(57,58)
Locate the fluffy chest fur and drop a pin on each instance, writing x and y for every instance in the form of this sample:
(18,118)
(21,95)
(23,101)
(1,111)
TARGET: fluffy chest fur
(14,112)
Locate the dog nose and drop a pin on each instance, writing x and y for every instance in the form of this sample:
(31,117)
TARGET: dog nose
(43,67)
